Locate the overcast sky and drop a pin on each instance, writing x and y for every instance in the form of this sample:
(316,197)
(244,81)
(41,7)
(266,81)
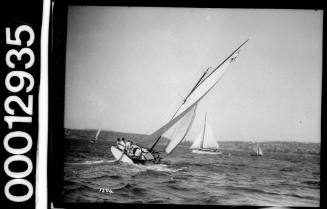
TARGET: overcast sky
(128,69)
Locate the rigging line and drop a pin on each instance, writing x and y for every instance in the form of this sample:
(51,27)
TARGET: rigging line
(196,85)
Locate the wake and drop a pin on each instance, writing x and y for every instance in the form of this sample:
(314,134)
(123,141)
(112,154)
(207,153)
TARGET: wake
(156,167)
(128,166)
(90,162)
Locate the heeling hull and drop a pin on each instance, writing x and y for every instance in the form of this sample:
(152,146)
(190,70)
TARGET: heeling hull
(209,152)
(118,155)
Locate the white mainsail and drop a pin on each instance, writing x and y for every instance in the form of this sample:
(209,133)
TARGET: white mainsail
(209,141)
(198,142)
(260,151)
(205,84)
(97,135)
(181,130)
(257,150)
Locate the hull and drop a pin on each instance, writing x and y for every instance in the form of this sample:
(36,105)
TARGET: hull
(256,155)
(209,152)
(120,156)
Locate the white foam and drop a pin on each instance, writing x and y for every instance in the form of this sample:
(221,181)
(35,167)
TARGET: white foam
(158,167)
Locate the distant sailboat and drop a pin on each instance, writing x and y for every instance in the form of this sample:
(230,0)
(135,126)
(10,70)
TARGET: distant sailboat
(257,151)
(182,119)
(206,142)
(96,137)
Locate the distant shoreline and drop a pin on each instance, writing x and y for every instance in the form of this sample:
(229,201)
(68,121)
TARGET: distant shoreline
(220,141)
(283,147)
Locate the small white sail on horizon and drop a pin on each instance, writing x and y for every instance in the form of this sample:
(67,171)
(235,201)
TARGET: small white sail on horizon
(258,150)
(97,135)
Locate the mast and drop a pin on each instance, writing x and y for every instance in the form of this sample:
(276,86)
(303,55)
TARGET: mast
(204,130)
(196,85)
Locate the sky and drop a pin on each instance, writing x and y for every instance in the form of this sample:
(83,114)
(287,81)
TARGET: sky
(129,68)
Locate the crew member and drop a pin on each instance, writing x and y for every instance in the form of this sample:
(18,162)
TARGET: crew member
(128,145)
(121,144)
(135,150)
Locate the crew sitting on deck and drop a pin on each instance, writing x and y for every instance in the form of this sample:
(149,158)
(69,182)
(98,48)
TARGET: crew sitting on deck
(128,144)
(135,150)
(121,144)
(131,149)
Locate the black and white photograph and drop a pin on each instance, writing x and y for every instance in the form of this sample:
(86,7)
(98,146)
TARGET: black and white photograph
(193,106)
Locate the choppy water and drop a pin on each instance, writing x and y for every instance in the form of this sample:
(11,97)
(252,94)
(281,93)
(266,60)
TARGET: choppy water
(186,178)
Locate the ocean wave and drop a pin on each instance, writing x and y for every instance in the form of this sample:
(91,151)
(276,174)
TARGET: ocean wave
(312,183)
(155,201)
(131,188)
(105,177)
(179,187)
(71,185)
(302,196)
(249,190)
(187,164)
(157,168)
(211,200)
(169,181)
(186,178)
(76,186)
(287,169)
